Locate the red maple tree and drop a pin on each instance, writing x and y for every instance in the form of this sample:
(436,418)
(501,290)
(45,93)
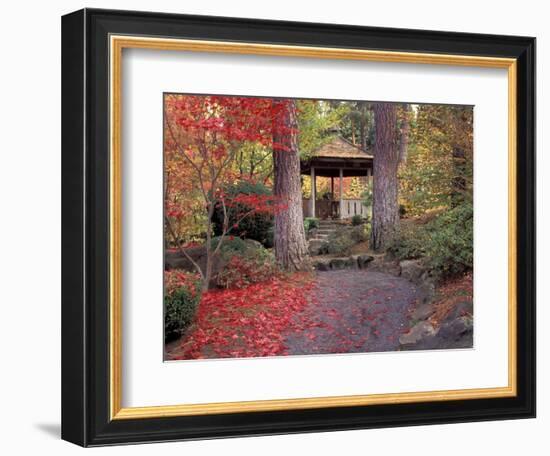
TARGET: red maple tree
(205,133)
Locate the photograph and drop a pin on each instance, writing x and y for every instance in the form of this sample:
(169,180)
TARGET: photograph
(315,226)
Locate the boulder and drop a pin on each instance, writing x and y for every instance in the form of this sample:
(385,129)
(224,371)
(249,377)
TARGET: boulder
(452,333)
(426,286)
(462,309)
(418,332)
(380,263)
(423,312)
(412,270)
(252,244)
(457,333)
(364,260)
(322,264)
(177,260)
(341,263)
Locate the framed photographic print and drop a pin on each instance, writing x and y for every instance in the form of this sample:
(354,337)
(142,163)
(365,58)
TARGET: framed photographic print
(279,227)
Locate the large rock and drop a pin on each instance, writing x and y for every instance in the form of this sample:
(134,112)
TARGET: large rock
(381,263)
(457,333)
(351,262)
(322,264)
(178,260)
(364,260)
(462,309)
(252,244)
(426,286)
(423,312)
(412,270)
(454,332)
(341,263)
(418,332)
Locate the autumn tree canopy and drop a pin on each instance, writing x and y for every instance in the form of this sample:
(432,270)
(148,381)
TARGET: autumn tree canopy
(206,134)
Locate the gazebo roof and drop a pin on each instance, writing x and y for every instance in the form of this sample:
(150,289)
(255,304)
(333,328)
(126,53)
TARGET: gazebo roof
(335,155)
(340,148)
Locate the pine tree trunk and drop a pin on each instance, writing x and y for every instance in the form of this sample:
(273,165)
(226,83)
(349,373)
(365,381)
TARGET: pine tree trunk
(461,149)
(385,213)
(290,243)
(363,124)
(404,138)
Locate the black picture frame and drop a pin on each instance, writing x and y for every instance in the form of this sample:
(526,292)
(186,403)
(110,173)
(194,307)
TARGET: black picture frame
(85,228)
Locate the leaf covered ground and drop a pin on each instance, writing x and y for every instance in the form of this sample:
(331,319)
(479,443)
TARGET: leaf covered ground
(248,322)
(450,294)
(331,312)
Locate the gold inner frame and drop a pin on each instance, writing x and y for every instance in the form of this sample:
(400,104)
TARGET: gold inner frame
(117,44)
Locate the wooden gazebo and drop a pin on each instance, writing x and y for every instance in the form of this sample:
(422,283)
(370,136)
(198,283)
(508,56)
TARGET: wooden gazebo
(337,158)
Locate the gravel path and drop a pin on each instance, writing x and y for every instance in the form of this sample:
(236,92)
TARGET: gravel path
(354,311)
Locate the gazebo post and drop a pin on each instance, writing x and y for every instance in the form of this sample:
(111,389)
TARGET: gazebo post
(341,193)
(313,191)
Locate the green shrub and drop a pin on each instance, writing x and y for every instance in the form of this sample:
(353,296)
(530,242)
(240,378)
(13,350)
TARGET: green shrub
(254,226)
(445,242)
(409,242)
(451,248)
(231,245)
(358,234)
(367,196)
(255,265)
(342,240)
(311,223)
(181,300)
(356,220)
(339,245)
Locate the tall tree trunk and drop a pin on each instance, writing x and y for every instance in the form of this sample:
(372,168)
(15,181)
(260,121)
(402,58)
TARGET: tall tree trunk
(458,181)
(461,149)
(363,124)
(385,213)
(404,137)
(290,244)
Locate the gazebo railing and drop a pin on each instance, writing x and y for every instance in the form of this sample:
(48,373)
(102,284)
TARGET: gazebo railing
(331,208)
(351,207)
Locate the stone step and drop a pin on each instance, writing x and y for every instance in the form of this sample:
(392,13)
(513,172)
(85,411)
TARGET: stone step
(325,231)
(335,264)
(319,237)
(316,242)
